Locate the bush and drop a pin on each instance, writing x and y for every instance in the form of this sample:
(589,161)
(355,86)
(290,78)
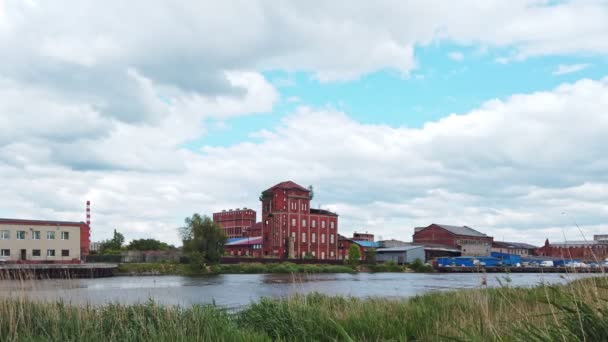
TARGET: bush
(419,266)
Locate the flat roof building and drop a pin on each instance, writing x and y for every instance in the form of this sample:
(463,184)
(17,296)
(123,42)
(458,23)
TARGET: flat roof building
(36,241)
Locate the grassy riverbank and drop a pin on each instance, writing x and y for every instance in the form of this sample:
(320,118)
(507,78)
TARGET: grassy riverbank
(578,311)
(243,268)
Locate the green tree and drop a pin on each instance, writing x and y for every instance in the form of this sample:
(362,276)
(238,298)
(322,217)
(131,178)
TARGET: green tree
(148,245)
(114,244)
(202,235)
(354,254)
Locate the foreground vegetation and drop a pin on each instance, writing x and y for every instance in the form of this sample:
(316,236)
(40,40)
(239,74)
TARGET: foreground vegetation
(574,312)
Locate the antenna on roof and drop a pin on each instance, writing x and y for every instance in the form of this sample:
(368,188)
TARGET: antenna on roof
(89,213)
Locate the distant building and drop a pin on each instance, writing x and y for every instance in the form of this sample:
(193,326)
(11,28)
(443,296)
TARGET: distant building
(36,241)
(292,229)
(245,247)
(588,250)
(95,246)
(400,255)
(468,240)
(344,244)
(363,236)
(517,248)
(235,222)
(392,243)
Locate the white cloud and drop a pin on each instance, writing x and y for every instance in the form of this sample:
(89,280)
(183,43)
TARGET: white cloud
(456,56)
(98,103)
(563,69)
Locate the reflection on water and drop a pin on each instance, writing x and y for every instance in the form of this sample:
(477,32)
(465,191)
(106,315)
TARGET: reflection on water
(236,290)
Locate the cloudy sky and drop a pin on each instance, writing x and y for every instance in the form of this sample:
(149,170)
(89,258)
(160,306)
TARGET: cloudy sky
(491,114)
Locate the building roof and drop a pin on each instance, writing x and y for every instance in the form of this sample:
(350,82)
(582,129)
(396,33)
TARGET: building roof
(245,241)
(322,212)
(520,245)
(464,230)
(288,185)
(579,243)
(397,249)
(40,222)
(367,244)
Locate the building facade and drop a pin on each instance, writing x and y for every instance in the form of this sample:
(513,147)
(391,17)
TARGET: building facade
(401,255)
(235,222)
(363,236)
(516,248)
(33,241)
(245,247)
(291,229)
(468,240)
(595,250)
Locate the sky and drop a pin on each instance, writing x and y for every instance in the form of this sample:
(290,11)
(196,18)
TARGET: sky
(490,114)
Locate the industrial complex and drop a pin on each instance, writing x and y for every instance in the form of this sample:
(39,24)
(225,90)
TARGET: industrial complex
(289,229)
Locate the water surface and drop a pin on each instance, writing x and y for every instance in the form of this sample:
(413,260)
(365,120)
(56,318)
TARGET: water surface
(237,290)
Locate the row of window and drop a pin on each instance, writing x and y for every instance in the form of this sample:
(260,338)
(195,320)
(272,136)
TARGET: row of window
(294,206)
(313,223)
(37,253)
(313,254)
(21,234)
(313,237)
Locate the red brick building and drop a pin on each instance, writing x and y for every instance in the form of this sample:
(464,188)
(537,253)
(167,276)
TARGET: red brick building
(365,246)
(235,222)
(467,239)
(291,229)
(592,250)
(363,236)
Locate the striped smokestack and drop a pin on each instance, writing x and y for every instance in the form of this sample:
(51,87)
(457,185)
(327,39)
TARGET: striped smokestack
(88,213)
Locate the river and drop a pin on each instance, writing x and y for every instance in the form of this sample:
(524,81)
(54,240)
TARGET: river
(237,290)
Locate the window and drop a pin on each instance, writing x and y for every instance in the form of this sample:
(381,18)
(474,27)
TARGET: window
(313,238)
(5,252)
(322,255)
(36,252)
(331,225)
(331,238)
(5,234)
(331,254)
(313,254)
(65,235)
(50,236)
(20,235)
(36,235)
(293,222)
(65,252)
(313,223)
(322,224)
(303,237)
(322,238)
(50,252)
(303,222)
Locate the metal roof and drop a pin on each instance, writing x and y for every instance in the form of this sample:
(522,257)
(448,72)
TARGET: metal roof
(522,245)
(246,241)
(578,243)
(322,212)
(397,249)
(40,222)
(464,230)
(368,244)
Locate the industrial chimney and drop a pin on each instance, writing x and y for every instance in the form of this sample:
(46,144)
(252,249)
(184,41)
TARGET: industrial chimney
(89,213)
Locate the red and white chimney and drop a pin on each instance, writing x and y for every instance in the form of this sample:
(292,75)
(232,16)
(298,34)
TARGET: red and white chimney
(89,213)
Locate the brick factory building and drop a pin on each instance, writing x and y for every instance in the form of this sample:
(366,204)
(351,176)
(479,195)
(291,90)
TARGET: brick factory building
(38,241)
(291,229)
(468,240)
(236,222)
(363,236)
(591,250)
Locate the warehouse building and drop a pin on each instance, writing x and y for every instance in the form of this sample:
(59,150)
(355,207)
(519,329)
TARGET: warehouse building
(36,241)
(400,255)
(468,240)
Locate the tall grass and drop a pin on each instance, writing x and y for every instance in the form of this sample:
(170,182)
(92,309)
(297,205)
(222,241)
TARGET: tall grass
(574,312)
